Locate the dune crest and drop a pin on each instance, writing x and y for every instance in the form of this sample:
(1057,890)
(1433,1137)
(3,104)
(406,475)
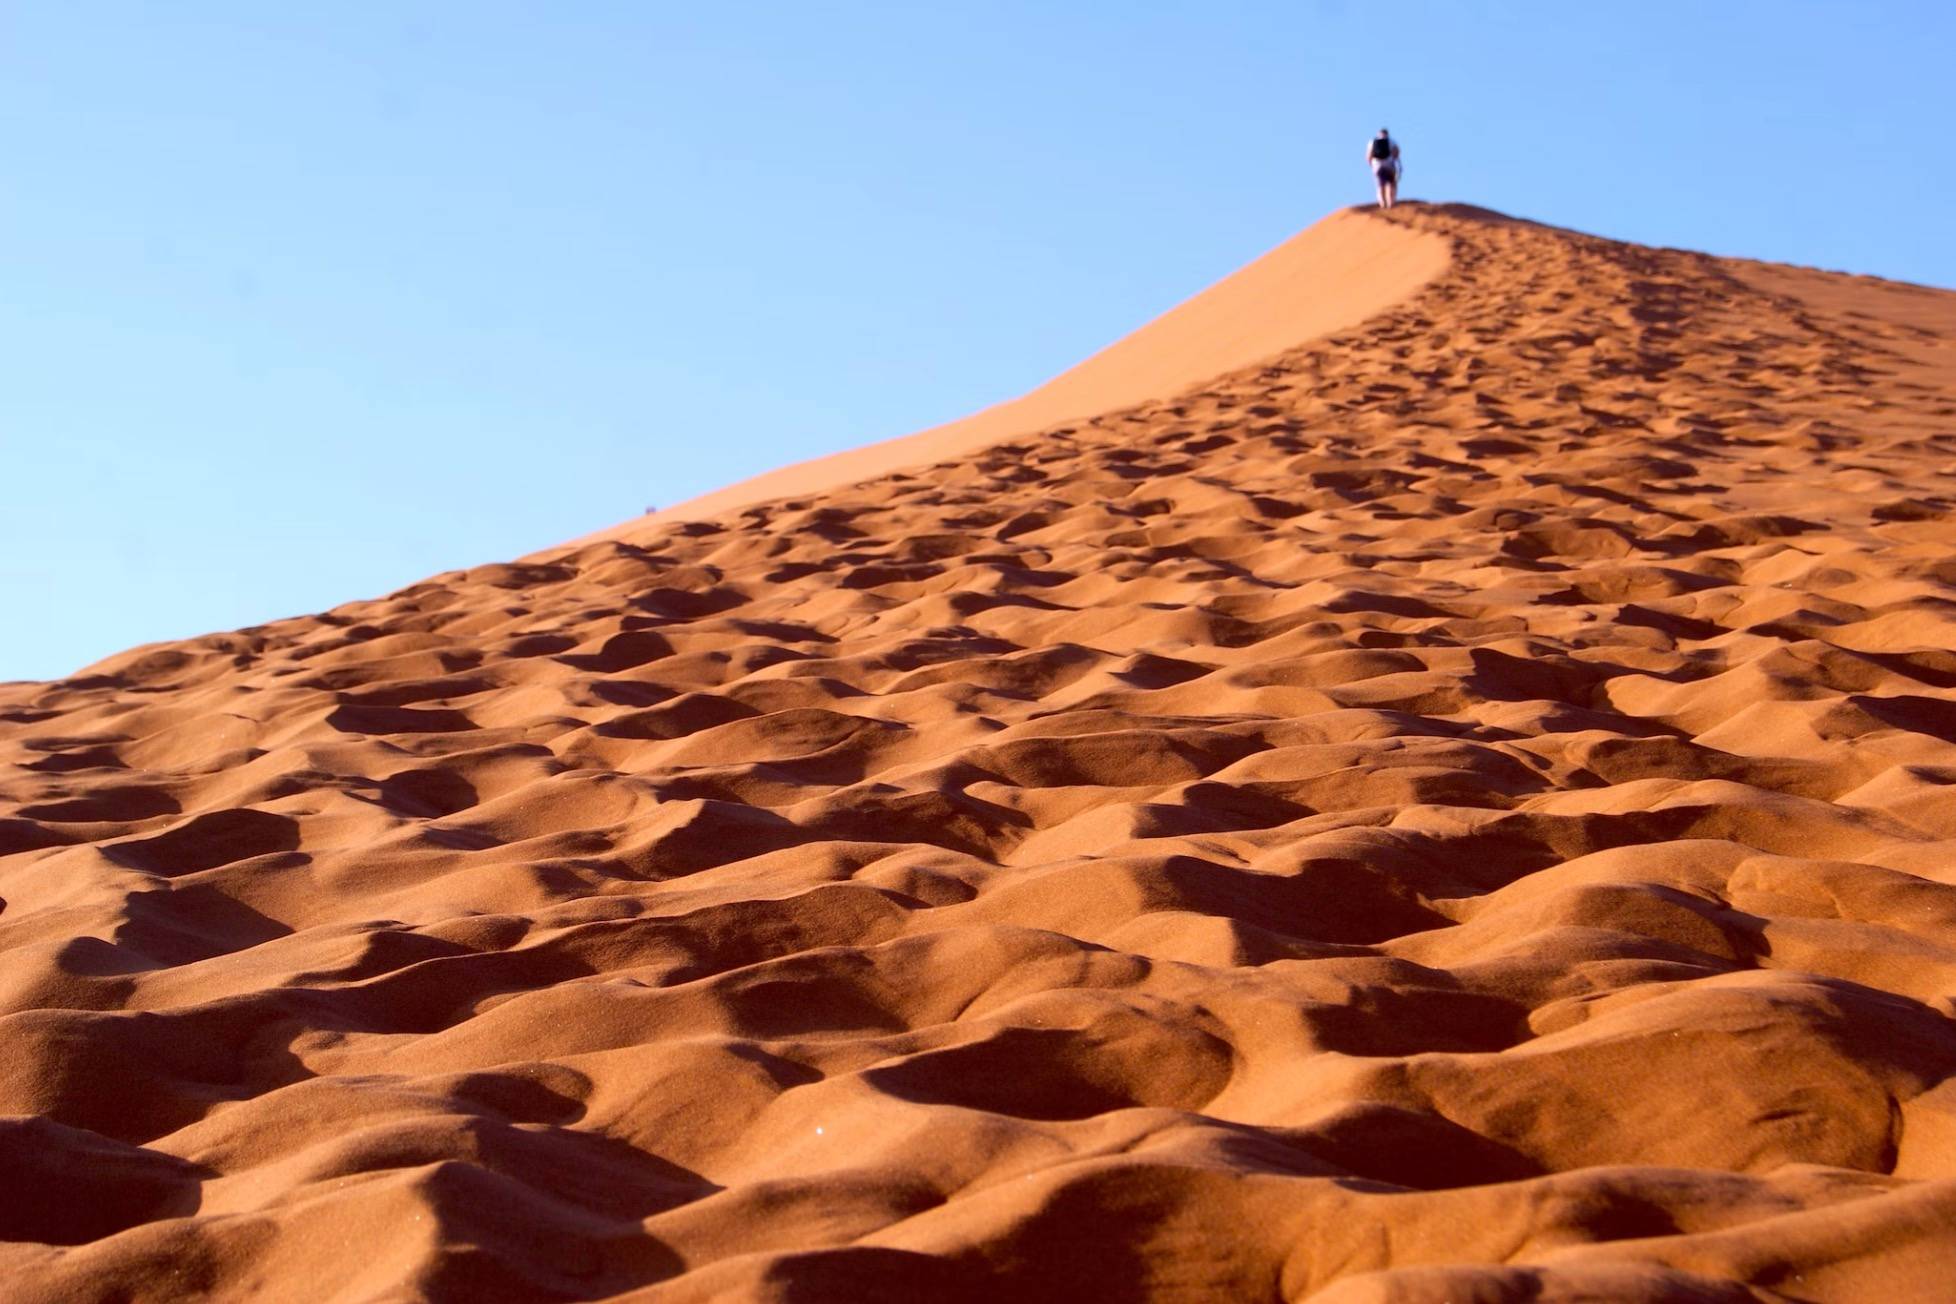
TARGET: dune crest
(1334,274)
(1458,806)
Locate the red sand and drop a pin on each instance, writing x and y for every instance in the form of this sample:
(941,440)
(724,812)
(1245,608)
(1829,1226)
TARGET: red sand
(1461,807)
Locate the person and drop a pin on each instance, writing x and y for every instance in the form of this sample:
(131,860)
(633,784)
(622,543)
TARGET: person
(1383,155)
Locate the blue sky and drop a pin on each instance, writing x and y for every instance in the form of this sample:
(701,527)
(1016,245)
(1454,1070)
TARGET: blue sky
(306,302)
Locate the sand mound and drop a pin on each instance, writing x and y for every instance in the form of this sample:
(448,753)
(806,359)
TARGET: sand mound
(1460,807)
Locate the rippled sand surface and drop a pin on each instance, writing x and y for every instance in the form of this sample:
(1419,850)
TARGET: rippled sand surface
(1460,809)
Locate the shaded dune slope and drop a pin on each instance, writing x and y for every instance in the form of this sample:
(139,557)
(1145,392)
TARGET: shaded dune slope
(1457,809)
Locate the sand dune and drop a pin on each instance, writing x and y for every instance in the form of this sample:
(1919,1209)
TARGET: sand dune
(1436,795)
(1334,275)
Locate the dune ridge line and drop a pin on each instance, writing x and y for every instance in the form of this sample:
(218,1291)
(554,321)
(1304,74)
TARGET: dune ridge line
(1334,274)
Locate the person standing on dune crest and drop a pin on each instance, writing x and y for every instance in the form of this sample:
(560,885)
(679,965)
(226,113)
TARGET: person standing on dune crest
(1383,155)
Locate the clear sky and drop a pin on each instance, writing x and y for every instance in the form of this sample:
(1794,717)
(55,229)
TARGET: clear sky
(302,303)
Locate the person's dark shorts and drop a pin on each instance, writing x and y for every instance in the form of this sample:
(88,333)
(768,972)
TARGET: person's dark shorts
(1386,174)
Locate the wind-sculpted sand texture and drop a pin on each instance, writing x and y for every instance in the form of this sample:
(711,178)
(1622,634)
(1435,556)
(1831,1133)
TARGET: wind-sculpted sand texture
(1465,809)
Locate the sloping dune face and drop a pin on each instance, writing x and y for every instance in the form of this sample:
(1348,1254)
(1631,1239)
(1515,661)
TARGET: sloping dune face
(1337,274)
(1462,808)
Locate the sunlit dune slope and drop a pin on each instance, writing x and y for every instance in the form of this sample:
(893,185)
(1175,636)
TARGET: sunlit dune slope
(1453,798)
(1337,273)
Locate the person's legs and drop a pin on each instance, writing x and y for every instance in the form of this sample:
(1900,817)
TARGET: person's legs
(1389,192)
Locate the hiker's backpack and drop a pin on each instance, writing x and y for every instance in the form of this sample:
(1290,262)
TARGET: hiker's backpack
(1381,147)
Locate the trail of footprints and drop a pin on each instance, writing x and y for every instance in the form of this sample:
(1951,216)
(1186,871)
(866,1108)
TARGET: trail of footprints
(1473,790)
